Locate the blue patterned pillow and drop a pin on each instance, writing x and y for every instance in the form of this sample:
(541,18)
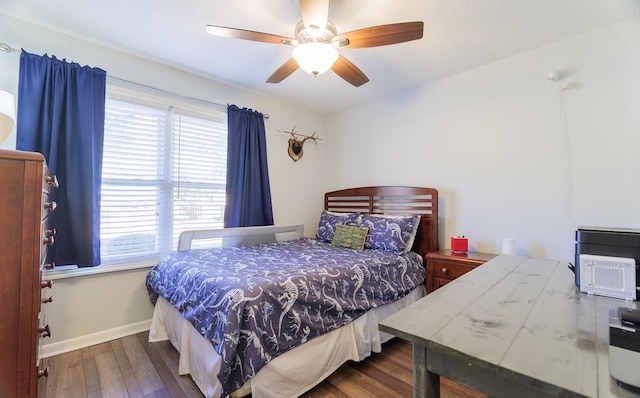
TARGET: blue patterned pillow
(390,233)
(329,220)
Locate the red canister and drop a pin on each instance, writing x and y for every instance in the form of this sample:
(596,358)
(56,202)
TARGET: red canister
(459,244)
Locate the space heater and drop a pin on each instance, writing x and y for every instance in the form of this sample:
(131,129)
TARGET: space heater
(606,262)
(608,276)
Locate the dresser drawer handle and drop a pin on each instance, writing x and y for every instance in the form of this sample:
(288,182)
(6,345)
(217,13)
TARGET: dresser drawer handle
(52,181)
(49,266)
(44,284)
(43,372)
(44,331)
(444,270)
(50,205)
(50,232)
(48,241)
(47,300)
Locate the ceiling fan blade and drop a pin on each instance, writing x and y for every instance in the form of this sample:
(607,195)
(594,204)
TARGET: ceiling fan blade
(314,13)
(381,35)
(283,72)
(349,72)
(248,35)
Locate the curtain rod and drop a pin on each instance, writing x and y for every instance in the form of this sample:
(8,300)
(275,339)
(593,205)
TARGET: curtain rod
(179,96)
(6,48)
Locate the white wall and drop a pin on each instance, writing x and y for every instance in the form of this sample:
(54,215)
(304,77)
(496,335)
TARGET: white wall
(104,304)
(512,154)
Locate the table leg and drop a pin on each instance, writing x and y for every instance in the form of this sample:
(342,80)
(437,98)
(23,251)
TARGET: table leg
(425,384)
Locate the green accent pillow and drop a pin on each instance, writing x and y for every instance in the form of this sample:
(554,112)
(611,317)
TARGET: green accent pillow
(350,237)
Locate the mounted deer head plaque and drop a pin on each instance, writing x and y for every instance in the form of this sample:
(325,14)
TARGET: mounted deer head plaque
(297,141)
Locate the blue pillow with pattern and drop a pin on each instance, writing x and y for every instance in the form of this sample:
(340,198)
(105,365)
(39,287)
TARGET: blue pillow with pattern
(391,233)
(329,220)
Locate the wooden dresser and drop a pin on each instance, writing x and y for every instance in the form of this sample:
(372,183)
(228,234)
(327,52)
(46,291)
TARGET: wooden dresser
(445,266)
(24,237)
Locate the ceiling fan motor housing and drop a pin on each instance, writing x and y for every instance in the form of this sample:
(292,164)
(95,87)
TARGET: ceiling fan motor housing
(304,35)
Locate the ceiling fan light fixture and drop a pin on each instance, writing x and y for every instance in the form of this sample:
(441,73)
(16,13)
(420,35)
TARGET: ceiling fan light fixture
(315,57)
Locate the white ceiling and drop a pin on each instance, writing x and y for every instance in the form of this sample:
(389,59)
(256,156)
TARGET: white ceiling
(459,35)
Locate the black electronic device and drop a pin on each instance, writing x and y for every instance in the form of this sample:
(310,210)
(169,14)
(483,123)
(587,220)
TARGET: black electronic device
(624,346)
(629,316)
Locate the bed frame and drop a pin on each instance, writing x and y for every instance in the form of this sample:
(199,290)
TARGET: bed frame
(393,200)
(354,341)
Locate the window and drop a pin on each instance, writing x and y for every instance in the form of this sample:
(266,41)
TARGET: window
(164,171)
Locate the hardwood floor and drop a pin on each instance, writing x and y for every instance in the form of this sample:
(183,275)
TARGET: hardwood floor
(133,367)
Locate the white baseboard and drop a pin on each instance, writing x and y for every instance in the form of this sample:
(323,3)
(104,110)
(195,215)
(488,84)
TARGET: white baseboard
(60,347)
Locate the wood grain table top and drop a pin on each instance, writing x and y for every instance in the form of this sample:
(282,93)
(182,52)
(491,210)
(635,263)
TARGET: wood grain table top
(521,319)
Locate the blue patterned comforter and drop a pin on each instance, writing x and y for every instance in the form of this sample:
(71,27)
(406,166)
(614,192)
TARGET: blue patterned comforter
(256,302)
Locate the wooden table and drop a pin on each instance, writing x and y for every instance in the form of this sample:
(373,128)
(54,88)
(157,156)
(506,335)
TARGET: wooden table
(514,327)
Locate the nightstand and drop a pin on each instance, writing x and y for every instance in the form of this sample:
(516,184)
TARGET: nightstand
(445,266)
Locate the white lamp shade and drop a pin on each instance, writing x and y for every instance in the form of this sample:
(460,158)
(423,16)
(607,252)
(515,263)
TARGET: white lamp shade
(315,57)
(7,114)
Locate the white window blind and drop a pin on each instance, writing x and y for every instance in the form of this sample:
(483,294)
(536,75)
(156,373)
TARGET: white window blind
(164,171)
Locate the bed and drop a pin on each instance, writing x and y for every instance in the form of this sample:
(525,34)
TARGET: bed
(269,328)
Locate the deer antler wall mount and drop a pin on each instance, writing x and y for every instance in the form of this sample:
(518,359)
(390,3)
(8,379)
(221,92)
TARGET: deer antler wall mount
(297,141)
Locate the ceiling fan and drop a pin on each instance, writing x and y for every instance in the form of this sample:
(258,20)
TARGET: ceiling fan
(316,41)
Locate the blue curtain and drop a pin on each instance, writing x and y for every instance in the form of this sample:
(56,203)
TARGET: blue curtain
(61,115)
(248,191)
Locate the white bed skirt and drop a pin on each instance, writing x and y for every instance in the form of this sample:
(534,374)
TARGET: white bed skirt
(288,375)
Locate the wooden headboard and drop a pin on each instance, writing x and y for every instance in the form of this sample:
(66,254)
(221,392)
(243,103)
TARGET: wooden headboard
(393,200)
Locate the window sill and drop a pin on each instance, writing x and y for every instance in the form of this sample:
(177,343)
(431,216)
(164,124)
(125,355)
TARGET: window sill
(72,271)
